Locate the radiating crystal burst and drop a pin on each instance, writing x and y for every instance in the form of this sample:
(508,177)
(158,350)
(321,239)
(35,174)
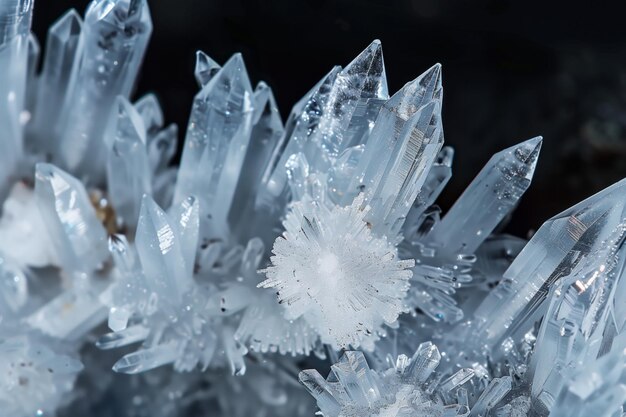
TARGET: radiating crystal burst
(329,268)
(100,229)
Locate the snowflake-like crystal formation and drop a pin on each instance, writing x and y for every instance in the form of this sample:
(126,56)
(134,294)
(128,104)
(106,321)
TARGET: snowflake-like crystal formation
(329,268)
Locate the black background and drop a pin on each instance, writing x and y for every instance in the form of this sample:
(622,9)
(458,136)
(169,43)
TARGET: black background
(512,70)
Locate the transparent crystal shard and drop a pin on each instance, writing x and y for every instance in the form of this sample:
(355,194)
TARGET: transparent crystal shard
(354,100)
(146,359)
(457,379)
(351,384)
(321,391)
(424,361)
(416,223)
(15,20)
(115,35)
(492,195)
(578,318)
(598,388)
(78,236)
(128,168)
(491,396)
(205,69)
(383,143)
(159,245)
(63,49)
(267,130)
(356,377)
(420,140)
(218,135)
(557,247)
(303,122)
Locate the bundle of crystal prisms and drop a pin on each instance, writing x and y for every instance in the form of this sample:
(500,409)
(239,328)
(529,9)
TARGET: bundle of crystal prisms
(228,283)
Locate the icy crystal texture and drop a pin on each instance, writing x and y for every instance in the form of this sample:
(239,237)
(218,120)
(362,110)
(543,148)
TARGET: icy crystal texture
(272,248)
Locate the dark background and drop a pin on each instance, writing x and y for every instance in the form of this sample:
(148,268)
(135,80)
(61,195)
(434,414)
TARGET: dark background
(511,69)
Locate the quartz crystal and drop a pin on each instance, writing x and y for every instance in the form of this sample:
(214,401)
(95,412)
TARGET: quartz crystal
(275,251)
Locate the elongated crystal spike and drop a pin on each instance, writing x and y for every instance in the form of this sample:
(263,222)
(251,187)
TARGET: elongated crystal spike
(115,36)
(217,139)
(384,143)
(63,49)
(437,178)
(267,130)
(158,242)
(491,396)
(558,246)
(303,121)
(420,140)
(359,90)
(355,375)
(128,169)
(423,362)
(78,236)
(15,20)
(492,195)
(321,391)
(147,359)
(573,329)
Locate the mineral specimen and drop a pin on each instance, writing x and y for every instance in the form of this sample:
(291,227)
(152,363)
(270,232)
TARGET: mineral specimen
(275,248)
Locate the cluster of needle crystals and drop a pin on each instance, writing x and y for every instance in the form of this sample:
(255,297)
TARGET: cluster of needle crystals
(224,284)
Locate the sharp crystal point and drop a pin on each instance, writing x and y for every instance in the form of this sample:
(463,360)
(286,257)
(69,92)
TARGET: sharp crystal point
(206,68)
(492,195)
(369,67)
(67,26)
(416,93)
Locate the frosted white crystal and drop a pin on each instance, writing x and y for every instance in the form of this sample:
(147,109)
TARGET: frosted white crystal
(34,377)
(21,225)
(328,268)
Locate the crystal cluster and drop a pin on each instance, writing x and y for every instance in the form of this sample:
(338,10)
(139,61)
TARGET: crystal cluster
(275,250)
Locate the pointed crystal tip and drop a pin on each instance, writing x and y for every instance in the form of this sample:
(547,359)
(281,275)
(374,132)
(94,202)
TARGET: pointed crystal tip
(527,153)
(67,26)
(206,68)
(116,12)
